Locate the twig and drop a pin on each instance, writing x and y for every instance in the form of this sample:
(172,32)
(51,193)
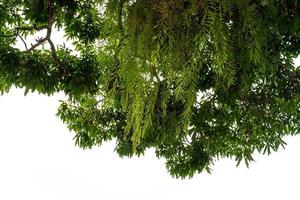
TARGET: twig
(40,41)
(8,36)
(24,28)
(22,41)
(31,28)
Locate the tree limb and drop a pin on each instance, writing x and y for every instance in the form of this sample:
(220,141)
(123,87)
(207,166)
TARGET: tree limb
(47,38)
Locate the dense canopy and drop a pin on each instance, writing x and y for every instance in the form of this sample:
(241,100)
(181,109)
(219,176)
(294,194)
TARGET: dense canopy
(196,80)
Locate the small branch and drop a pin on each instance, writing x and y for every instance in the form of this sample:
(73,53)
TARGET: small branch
(42,40)
(99,101)
(13,37)
(24,28)
(31,28)
(23,41)
(39,42)
(8,36)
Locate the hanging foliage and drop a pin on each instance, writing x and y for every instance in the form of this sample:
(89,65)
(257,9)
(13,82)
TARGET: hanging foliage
(194,79)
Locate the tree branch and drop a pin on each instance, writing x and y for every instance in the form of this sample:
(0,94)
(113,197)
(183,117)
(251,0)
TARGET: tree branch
(56,59)
(39,42)
(25,28)
(31,28)
(47,38)
(18,35)
(51,21)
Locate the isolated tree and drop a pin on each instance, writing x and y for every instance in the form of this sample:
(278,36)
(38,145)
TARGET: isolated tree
(194,79)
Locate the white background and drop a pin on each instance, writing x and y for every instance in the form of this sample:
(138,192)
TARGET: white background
(38,161)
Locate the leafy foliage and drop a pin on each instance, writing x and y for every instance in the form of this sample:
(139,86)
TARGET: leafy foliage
(194,79)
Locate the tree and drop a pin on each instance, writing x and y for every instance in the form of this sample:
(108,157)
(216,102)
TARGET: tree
(194,79)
